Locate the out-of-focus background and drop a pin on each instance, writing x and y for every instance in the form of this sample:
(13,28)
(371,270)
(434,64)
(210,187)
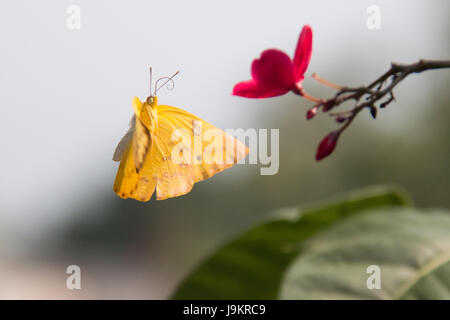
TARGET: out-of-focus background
(65,101)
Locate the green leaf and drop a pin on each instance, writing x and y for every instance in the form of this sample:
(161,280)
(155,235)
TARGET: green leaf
(410,247)
(434,285)
(252,265)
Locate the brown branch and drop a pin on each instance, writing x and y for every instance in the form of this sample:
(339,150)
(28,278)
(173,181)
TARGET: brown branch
(376,95)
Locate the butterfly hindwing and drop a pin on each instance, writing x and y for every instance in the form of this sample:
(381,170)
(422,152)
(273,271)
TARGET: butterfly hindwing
(141,144)
(134,148)
(127,177)
(123,143)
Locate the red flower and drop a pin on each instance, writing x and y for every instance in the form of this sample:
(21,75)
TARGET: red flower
(327,145)
(275,74)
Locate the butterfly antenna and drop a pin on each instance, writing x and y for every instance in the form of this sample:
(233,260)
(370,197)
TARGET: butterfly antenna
(168,79)
(151,74)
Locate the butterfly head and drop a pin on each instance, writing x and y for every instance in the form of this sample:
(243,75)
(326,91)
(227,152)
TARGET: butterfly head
(152,101)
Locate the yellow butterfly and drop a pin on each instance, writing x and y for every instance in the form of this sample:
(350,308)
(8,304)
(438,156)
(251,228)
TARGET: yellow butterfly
(170,149)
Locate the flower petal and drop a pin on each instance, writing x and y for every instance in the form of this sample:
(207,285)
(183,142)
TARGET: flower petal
(272,76)
(302,54)
(252,89)
(273,69)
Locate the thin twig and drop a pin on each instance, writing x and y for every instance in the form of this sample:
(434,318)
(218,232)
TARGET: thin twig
(378,94)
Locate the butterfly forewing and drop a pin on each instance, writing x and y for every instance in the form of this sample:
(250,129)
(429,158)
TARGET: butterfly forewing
(141,144)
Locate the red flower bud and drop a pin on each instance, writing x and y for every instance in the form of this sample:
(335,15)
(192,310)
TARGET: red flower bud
(327,145)
(311,112)
(340,119)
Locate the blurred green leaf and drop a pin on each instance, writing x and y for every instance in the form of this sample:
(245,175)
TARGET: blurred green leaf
(434,285)
(410,247)
(252,265)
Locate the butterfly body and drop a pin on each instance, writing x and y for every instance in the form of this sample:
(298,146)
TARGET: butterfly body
(147,157)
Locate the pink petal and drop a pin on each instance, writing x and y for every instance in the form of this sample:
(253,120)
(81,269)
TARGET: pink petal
(272,76)
(252,89)
(274,69)
(302,53)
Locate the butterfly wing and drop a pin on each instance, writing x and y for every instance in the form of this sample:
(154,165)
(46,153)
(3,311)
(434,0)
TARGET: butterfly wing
(175,178)
(132,182)
(141,144)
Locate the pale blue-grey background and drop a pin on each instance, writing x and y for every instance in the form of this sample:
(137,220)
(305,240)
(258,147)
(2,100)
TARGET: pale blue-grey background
(65,101)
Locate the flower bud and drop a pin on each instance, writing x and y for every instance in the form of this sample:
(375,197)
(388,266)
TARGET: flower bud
(340,119)
(373,111)
(327,145)
(311,112)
